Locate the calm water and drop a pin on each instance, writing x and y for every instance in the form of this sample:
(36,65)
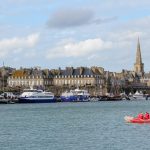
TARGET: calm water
(73,126)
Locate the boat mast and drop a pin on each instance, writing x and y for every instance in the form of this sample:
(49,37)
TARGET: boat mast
(3,77)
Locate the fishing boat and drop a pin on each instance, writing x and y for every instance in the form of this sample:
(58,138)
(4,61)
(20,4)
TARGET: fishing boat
(114,93)
(36,96)
(110,97)
(76,95)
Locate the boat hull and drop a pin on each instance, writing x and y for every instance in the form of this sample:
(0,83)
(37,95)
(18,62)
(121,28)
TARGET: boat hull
(36,100)
(4,101)
(137,98)
(108,98)
(74,99)
(130,119)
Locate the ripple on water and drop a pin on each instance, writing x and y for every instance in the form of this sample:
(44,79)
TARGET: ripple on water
(73,126)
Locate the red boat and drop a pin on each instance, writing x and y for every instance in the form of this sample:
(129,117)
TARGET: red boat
(130,119)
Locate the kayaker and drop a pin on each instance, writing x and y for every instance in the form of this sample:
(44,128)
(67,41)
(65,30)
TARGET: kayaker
(140,115)
(146,116)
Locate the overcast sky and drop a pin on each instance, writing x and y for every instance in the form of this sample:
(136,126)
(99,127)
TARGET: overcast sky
(60,33)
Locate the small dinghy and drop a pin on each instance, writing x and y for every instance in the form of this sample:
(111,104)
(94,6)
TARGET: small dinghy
(130,119)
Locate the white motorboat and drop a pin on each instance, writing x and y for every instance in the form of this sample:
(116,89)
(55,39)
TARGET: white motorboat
(137,96)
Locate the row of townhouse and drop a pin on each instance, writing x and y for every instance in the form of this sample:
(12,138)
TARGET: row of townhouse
(71,77)
(29,78)
(82,77)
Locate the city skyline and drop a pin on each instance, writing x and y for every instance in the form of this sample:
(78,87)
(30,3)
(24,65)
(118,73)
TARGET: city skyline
(54,34)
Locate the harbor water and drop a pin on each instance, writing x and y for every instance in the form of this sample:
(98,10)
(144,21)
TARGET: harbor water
(73,126)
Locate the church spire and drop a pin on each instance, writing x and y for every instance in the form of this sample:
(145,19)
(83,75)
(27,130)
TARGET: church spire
(138,66)
(138,53)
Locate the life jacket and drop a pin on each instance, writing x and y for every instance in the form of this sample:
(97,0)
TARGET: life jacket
(146,116)
(140,116)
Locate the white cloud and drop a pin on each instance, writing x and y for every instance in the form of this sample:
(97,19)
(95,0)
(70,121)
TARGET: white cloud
(78,49)
(17,45)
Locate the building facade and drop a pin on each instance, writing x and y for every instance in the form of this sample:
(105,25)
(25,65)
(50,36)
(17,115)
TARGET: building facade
(145,79)
(30,78)
(81,77)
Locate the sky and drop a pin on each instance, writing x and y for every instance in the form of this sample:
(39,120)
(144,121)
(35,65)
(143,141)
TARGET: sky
(64,33)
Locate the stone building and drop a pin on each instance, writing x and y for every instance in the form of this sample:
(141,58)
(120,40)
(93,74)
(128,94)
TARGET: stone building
(30,78)
(143,79)
(146,79)
(81,77)
(139,66)
(5,72)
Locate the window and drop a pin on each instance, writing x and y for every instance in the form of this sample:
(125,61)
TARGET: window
(68,81)
(78,81)
(65,81)
(56,82)
(72,81)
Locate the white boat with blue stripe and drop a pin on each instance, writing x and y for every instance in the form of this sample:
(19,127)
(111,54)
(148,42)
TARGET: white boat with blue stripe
(36,96)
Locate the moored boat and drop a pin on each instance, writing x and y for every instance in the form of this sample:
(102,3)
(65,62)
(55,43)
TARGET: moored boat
(36,96)
(76,95)
(8,98)
(110,97)
(137,96)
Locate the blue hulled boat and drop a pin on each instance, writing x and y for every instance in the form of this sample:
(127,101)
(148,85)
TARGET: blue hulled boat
(76,95)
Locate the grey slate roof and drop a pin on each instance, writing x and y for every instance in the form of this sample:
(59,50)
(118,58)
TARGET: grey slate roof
(69,71)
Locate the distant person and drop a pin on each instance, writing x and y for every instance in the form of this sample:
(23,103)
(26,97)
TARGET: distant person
(146,116)
(140,116)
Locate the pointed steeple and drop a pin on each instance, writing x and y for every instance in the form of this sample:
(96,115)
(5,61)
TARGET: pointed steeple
(138,53)
(138,66)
